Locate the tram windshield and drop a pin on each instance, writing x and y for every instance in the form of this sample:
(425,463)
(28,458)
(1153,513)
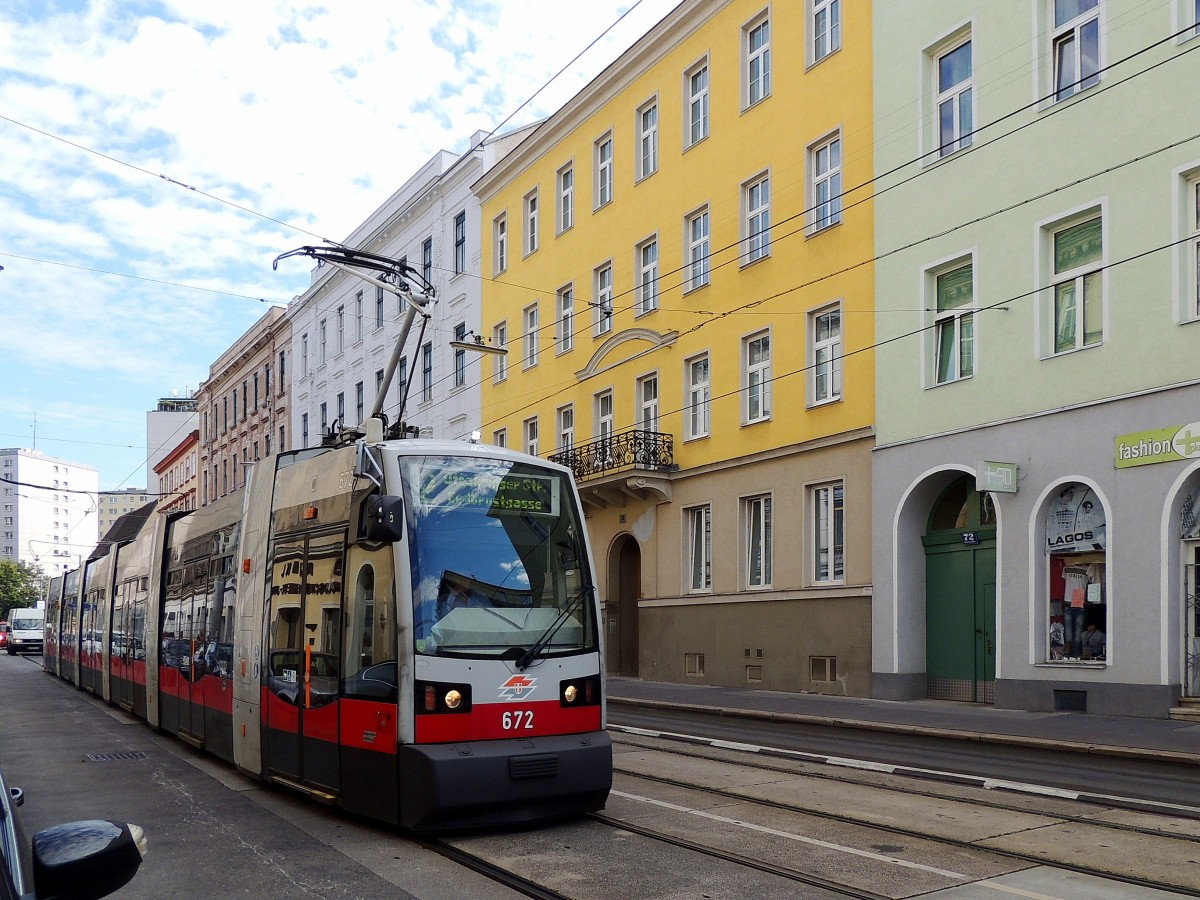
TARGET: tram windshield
(498,560)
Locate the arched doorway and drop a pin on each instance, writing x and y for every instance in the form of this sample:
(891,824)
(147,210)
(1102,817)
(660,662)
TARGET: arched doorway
(960,595)
(621,609)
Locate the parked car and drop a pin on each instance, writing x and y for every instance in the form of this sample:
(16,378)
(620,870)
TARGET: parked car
(76,861)
(3,635)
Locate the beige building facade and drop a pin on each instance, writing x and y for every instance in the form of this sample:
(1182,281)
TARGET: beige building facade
(177,476)
(244,406)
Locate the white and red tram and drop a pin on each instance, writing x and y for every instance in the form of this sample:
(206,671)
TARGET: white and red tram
(408,629)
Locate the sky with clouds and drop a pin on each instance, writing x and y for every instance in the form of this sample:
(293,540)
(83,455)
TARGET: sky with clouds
(156,156)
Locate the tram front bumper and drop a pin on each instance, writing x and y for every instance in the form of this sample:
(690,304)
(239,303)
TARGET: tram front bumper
(480,784)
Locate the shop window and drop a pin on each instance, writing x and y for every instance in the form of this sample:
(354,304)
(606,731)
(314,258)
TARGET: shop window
(1076,543)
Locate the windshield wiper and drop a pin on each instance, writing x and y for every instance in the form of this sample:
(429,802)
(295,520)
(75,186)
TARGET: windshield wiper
(536,648)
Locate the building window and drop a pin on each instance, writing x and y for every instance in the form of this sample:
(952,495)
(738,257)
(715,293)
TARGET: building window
(321,349)
(699,397)
(955,110)
(359,402)
(1077,551)
(1078,294)
(530,317)
(603,307)
(566,197)
(647,269)
(603,164)
(341,408)
(500,437)
(756,358)
(402,381)
(826,357)
(697,242)
(825,164)
(696,101)
(698,527)
(324,419)
(756,47)
(427,372)
(531,436)
(378,381)
(531,222)
(1192,206)
(500,243)
(826,28)
(282,368)
(341,329)
(427,259)
(604,415)
(756,198)
(566,319)
(358,316)
(647,132)
(500,361)
(566,428)
(954,324)
(256,390)
(756,524)
(378,308)
(1076,46)
(303,430)
(282,441)
(460,355)
(460,243)
(647,400)
(829,519)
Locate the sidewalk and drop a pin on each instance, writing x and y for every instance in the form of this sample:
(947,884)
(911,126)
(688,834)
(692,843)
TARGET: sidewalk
(1168,740)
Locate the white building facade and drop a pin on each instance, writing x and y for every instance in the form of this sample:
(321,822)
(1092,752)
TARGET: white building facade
(344,328)
(48,510)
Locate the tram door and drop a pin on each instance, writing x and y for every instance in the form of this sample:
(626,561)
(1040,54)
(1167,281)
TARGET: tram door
(304,660)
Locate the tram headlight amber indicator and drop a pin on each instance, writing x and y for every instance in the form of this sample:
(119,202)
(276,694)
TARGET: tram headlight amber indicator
(439,697)
(580,691)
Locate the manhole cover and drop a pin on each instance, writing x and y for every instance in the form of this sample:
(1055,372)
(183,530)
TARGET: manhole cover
(110,757)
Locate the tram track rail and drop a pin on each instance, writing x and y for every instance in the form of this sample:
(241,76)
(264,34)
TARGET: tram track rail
(901,773)
(804,878)
(862,822)
(487,869)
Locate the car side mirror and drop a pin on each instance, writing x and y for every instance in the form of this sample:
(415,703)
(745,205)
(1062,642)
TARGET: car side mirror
(382,519)
(86,860)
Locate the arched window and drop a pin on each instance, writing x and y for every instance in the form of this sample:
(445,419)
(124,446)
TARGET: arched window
(1076,543)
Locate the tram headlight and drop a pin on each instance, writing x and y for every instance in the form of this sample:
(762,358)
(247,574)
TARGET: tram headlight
(453,699)
(583,691)
(442,697)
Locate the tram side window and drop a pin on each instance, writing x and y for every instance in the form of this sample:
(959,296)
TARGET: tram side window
(1076,543)
(370,633)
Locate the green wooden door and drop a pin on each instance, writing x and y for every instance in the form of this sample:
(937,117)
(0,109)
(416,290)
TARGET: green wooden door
(960,596)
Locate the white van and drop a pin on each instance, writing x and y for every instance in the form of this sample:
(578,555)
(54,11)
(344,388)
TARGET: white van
(25,630)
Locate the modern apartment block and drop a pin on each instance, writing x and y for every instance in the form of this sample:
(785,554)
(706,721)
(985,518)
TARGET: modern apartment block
(345,328)
(48,510)
(1037,479)
(111,505)
(244,406)
(679,268)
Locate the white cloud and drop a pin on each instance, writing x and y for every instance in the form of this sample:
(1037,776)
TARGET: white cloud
(310,114)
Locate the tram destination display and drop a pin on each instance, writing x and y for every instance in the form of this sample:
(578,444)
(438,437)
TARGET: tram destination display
(497,492)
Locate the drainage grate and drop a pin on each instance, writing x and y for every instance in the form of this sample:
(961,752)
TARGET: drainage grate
(110,757)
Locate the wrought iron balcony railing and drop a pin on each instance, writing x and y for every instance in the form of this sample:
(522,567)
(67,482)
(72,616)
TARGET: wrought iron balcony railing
(631,449)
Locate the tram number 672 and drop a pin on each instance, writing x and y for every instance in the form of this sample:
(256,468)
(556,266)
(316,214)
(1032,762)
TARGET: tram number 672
(522,719)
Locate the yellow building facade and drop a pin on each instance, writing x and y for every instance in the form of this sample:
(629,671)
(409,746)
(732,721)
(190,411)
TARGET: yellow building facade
(678,263)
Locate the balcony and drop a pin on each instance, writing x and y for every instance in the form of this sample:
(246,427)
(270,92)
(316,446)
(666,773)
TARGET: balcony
(631,464)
